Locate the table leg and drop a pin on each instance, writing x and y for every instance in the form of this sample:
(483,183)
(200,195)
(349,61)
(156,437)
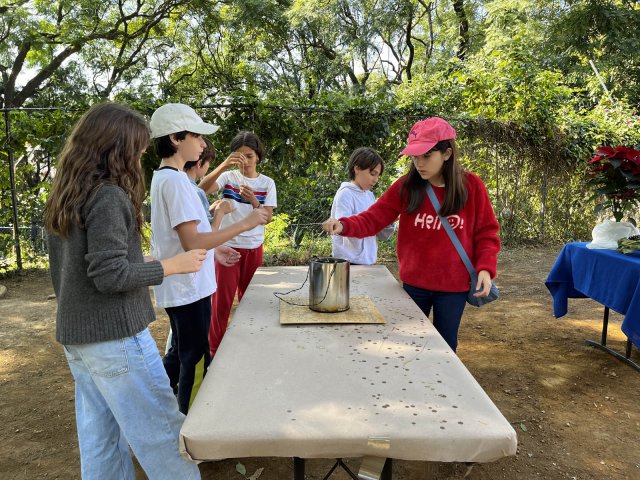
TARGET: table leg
(605,325)
(335,465)
(603,344)
(374,468)
(386,471)
(344,466)
(298,468)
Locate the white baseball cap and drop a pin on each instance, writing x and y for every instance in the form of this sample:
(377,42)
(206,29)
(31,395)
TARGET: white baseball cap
(178,117)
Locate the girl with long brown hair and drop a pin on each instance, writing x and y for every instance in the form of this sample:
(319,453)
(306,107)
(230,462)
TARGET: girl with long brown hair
(430,267)
(94,220)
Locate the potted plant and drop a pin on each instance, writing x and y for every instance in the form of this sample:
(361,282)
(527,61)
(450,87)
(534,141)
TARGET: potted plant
(614,175)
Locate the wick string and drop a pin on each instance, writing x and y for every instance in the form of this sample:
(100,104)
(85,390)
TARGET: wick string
(276,294)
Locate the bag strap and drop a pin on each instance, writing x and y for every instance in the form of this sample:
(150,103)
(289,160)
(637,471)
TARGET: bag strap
(447,227)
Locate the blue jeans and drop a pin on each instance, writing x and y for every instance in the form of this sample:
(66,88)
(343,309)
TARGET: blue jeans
(123,399)
(447,310)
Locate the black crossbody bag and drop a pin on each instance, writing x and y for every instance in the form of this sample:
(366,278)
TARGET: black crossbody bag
(494,293)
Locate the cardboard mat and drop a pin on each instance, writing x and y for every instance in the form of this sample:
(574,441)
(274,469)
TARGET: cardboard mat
(361,310)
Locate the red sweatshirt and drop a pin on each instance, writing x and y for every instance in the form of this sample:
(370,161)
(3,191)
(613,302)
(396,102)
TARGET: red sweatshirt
(426,257)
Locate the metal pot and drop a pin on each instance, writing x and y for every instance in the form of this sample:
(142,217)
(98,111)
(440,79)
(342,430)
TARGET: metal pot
(329,284)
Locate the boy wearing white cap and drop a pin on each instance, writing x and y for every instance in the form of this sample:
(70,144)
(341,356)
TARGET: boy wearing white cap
(178,223)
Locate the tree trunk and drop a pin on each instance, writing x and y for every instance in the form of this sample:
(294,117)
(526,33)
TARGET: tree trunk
(463,46)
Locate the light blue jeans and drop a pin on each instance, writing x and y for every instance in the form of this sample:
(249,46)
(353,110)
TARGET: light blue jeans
(123,399)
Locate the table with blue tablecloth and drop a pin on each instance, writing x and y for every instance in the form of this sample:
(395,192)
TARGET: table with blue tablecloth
(607,276)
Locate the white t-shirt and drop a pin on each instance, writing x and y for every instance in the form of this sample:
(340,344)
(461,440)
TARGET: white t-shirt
(351,200)
(174,201)
(264,189)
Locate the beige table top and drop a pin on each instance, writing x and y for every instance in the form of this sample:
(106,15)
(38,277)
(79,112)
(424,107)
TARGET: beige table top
(392,390)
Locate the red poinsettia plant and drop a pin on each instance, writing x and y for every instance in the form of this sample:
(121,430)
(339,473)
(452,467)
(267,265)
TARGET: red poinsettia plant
(614,175)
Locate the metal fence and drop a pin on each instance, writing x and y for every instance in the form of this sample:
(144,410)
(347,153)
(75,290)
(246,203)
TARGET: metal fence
(32,242)
(307,152)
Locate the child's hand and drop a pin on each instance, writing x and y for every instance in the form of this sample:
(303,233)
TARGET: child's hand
(332,226)
(259,216)
(226,256)
(187,262)
(483,286)
(247,194)
(222,206)
(235,158)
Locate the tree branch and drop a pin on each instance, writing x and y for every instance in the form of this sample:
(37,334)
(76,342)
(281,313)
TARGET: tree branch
(18,63)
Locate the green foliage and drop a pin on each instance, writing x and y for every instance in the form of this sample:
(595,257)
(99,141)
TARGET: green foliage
(317,80)
(280,248)
(275,234)
(606,32)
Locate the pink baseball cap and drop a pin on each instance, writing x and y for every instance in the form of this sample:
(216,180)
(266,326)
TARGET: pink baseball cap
(426,133)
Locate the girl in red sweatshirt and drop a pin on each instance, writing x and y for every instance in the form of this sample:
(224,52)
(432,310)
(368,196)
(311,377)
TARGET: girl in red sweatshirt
(430,268)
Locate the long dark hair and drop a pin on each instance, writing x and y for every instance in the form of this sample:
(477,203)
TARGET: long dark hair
(104,148)
(455,196)
(245,138)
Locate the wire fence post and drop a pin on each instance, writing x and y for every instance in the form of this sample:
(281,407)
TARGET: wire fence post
(14,198)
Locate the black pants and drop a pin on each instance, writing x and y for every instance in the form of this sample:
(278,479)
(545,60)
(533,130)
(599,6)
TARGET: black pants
(187,360)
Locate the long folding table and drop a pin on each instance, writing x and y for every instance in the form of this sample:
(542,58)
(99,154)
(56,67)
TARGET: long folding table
(392,390)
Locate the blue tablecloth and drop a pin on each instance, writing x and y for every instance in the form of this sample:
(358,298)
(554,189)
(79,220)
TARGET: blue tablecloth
(607,276)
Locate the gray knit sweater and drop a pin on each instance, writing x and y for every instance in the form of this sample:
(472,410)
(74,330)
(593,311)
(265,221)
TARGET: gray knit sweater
(99,274)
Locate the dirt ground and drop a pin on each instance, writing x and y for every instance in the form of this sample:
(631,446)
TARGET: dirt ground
(576,409)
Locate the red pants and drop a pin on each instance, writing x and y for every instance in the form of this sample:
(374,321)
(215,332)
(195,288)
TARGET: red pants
(230,280)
